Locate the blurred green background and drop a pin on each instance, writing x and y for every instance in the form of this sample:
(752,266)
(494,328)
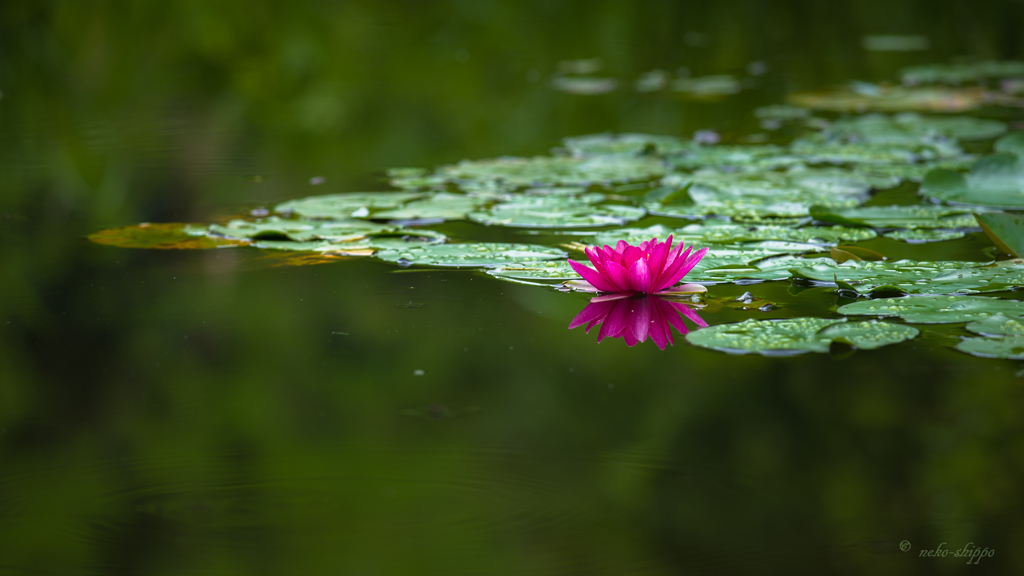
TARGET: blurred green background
(213,413)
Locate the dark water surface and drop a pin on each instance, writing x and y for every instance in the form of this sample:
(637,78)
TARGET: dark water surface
(216,413)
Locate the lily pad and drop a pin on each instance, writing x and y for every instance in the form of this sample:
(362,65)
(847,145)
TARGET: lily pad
(443,206)
(556,170)
(781,112)
(798,335)
(1005,230)
(162,237)
(274,228)
(471,254)
(708,87)
(912,128)
(349,205)
(728,233)
(775,267)
(1010,347)
(544,270)
(935,309)
(961,73)
(922,236)
(998,325)
(909,217)
(745,158)
(908,276)
(557,212)
(584,85)
(862,97)
(996,180)
(624,144)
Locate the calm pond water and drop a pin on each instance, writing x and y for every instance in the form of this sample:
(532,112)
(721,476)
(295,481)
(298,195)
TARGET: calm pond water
(216,412)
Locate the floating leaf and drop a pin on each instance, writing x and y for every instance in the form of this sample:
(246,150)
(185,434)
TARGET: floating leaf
(912,128)
(444,206)
(781,112)
(471,254)
(863,97)
(910,217)
(349,205)
(775,267)
(1011,144)
(536,270)
(584,85)
(844,253)
(724,233)
(625,144)
(274,228)
(935,309)
(961,73)
(1005,230)
(1010,347)
(997,325)
(996,180)
(708,87)
(920,236)
(798,335)
(746,158)
(908,276)
(162,237)
(557,212)
(556,170)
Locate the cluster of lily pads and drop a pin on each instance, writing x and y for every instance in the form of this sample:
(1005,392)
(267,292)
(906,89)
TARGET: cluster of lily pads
(785,211)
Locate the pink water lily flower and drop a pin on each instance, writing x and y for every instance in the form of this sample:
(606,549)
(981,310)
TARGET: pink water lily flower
(650,268)
(634,318)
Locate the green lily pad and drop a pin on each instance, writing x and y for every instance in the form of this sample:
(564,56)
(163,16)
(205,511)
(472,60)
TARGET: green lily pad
(349,205)
(162,237)
(961,73)
(912,128)
(1005,230)
(361,246)
(1011,144)
(914,172)
(745,158)
(625,144)
(935,309)
(906,275)
(556,170)
(584,85)
(774,267)
(921,236)
(798,335)
(821,151)
(996,180)
(708,87)
(274,228)
(1010,347)
(544,270)
(862,97)
(443,205)
(557,212)
(471,254)
(908,217)
(724,233)
(998,325)
(781,112)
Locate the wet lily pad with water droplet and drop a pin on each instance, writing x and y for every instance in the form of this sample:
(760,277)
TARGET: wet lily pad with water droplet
(348,205)
(1005,230)
(739,158)
(935,309)
(471,254)
(921,236)
(557,212)
(274,228)
(912,277)
(997,325)
(172,236)
(996,180)
(538,270)
(909,217)
(723,233)
(798,335)
(862,97)
(1010,347)
(624,144)
(556,170)
(443,206)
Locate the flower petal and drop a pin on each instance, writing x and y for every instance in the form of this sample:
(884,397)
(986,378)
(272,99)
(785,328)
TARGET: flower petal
(640,318)
(618,275)
(640,276)
(690,313)
(682,269)
(617,321)
(596,279)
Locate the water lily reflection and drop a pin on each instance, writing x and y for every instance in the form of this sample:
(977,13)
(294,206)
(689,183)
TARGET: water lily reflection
(635,317)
